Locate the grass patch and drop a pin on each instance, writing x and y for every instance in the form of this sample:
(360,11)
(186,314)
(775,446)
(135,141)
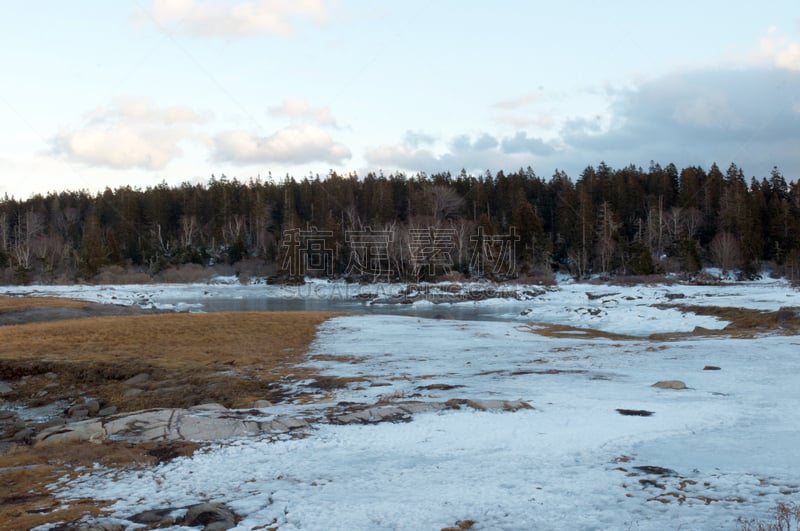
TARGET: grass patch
(571,332)
(12,304)
(231,358)
(744,322)
(26,501)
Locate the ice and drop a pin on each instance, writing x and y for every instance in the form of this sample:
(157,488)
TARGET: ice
(729,440)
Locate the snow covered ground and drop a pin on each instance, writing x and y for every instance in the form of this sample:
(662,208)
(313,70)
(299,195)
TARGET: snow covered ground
(725,448)
(620,309)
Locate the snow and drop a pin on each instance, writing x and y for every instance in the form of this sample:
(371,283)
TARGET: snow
(730,439)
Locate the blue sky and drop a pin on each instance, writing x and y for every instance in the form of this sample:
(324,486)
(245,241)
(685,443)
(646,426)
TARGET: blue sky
(98,93)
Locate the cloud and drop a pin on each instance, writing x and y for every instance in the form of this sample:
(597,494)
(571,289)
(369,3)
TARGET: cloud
(742,115)
(226,19)
(129,133)
(478,153)
(775,49)
(464,144)
(418,138)
(299,109)
(297,144)
(521,143)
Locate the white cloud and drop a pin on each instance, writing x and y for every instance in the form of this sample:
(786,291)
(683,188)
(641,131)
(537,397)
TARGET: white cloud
(299,109)
(226,19)
(297,144)
(132,109)
(129,133)
(480,153)
(776,49)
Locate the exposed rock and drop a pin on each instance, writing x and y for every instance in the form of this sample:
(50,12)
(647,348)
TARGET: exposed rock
(93,527)
(139,379)
(157,517)
(260,404)
(488,404)
(106,411)
(670,384)
(635,412)
(656,470)
(132,392)
(92,405)
(78,412)
(86,430)
(210,406)
(5,388)
(10,426)
(711,368)
(212,516)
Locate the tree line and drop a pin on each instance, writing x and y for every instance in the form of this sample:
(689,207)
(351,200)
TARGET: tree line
(625,221)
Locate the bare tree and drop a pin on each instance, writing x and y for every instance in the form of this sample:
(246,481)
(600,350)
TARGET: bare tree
(606,236)
(725,251)
(445,202)
(29,226)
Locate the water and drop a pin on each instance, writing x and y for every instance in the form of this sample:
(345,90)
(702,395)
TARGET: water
(466,311)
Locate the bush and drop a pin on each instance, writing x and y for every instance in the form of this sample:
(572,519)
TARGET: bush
(784,514)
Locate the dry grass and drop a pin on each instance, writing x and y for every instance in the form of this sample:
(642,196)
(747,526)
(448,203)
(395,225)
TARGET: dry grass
(231,358)
(566,331)
(25,473)
(11,304)
(744,322)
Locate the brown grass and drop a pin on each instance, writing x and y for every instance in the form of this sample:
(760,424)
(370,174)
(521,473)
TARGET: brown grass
(25,473)
(231,358)
(744,322)
(11,304)
(566,331)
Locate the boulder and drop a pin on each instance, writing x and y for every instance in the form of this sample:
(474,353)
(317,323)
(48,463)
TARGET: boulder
(77,431)
(212,516)
(670,384)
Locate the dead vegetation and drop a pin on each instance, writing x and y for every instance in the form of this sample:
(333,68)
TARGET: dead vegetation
(571,332)
(26,472)
(169,360)
(785,517)
(230,358)
(744,322)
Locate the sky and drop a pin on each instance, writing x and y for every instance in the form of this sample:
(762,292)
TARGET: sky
(98,94)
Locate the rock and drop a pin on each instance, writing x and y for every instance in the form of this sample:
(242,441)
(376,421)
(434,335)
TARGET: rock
(139,379)
(212,516)
(87,430)
(635,412)
(92,405)
(260,404)
(7,414)
(106,411)
(159,517)
(50,375)
(670,384)
(130,393)
(711,368)
(211,406)
(78,412)
(207,428)
(488,404)
(22,436)
(5,388)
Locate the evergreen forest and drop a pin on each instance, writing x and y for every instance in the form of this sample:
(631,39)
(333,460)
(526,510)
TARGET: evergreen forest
(626,221)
